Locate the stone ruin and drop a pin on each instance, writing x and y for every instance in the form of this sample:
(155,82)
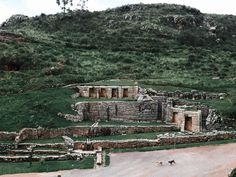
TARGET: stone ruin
(142,105)
(117,111)
(148,105)
(114,92)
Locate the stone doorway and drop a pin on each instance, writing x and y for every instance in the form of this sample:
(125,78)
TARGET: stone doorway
(125,93)
(103,93)
(114,93)
(188,123)
(92,92)
(174,117)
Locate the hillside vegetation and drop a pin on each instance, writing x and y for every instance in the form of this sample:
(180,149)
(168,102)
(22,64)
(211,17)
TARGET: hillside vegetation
(161,46)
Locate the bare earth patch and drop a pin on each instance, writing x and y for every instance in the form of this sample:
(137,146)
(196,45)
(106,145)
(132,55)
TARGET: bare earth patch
(207,161)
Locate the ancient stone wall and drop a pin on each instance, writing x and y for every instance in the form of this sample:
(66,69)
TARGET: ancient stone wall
(14,152)
(32,133)
(118,110)
(165,141)
(193,95)
(185,119)
(108,91)
(7,136)
(25,158)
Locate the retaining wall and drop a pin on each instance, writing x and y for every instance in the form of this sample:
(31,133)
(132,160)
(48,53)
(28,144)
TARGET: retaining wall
(164,141)
(7,136)
(33,133)
(117,110)
(36,159)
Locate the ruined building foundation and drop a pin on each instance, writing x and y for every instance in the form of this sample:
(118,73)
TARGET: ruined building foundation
(108,91)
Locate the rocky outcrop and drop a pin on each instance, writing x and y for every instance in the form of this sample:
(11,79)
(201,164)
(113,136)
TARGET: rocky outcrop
(182,21)
(68,142)
(74,118)
(15,19)
(213,121)
(144,98)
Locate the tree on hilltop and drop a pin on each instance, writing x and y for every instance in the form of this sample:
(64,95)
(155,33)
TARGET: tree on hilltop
(66,4)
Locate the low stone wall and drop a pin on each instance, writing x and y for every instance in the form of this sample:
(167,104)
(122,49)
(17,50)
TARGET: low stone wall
(7,136)
(193,95)
(164,141)
(22,146)
(31,133)
(13,152)
(35,158)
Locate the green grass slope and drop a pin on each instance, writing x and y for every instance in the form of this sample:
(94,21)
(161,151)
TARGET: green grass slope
(161,46)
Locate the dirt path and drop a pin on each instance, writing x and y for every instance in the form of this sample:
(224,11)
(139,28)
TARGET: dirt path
(210,161)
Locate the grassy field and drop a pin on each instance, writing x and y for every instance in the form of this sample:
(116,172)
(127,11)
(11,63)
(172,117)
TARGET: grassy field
(35,108)
(48,166)
(123,137)
(44,141)
(7,141)
(107,159)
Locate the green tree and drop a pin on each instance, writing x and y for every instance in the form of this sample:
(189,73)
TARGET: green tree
(82,4)
(66,4)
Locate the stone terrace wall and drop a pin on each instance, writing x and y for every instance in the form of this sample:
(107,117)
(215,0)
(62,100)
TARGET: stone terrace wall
(31,133)
(159,142)
(193,95)
(25,158)
(118,110)
(7,136)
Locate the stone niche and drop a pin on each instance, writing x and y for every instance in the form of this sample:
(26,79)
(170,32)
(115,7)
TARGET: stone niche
(109,92)
(186,120)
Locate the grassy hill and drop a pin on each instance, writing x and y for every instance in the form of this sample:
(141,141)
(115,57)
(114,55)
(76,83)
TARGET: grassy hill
(161,46)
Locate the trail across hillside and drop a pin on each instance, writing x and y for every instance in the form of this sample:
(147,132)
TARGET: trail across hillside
(210,161)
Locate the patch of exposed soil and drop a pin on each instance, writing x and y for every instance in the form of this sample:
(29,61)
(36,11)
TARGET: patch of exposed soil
(6,36)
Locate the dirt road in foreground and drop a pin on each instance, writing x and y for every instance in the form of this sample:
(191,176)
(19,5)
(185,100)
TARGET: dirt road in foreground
(208,161)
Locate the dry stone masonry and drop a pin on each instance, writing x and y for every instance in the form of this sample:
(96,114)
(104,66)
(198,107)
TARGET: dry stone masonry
(160,141)
(41,133)
(138,105)
(118,110)
(150,106)
(108,91)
